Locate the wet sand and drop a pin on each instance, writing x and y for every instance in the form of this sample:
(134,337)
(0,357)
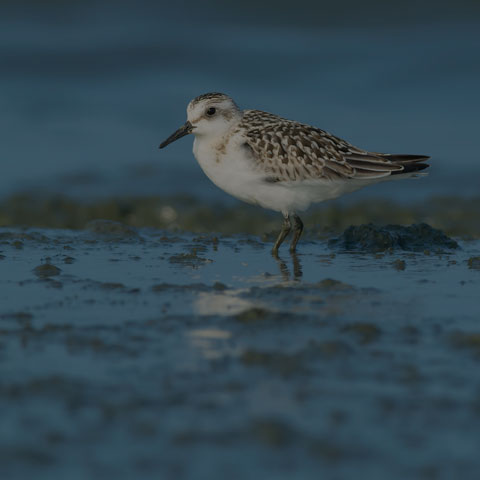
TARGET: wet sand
(151,353)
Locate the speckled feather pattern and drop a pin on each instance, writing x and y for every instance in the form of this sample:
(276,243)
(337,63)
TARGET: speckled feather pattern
(290,151)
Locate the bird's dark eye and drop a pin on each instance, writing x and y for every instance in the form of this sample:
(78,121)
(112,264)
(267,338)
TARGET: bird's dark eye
(211,111)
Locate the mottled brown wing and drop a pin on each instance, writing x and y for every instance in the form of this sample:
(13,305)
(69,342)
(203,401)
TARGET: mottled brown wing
(290,151)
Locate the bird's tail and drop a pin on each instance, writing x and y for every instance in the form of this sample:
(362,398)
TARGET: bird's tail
(410,163)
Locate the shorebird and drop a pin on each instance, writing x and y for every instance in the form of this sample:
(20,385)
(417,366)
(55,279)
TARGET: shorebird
(281,164)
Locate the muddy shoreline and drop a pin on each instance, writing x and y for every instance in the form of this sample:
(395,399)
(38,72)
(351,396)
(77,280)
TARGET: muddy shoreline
(125,351)
(455,216)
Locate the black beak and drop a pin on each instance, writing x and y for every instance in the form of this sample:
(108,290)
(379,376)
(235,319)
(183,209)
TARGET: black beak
(181,132)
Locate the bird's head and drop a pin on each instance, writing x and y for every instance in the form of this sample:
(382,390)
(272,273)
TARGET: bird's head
(211,114)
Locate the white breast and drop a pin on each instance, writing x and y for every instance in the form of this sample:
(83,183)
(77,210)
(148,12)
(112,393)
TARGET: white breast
(229,167)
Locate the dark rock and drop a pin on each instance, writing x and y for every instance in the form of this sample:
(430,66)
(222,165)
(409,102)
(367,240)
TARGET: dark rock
(373,238)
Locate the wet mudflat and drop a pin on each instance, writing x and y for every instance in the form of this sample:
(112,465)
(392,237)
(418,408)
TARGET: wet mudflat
(144,353)
(152,354)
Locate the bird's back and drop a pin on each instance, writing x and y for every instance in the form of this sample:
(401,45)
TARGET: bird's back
(289,151)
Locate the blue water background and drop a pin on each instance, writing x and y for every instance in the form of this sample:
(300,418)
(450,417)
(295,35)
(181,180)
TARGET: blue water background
(89,89)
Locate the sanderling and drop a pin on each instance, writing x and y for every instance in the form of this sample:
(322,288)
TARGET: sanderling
(281,164)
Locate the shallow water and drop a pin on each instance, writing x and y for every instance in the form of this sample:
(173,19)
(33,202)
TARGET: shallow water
(123,353)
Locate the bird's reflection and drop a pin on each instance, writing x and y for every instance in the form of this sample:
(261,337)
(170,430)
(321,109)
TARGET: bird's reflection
(285,272)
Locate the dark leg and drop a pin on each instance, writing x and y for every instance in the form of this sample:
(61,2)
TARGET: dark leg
(286,227)
(297,232)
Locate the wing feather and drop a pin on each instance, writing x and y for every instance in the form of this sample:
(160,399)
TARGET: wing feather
(290,151)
